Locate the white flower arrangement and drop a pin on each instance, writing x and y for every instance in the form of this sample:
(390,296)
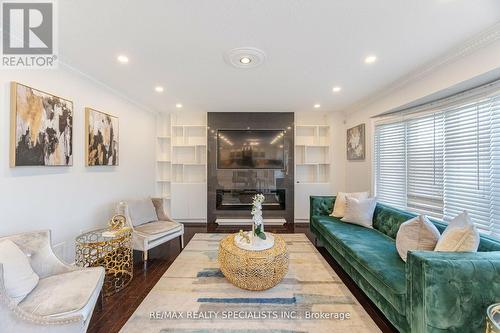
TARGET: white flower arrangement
(258,222)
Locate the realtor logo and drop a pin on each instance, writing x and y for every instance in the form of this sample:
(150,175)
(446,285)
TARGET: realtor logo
(28,34)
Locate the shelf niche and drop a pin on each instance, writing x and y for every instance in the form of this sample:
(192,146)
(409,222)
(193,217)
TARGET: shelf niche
(312,166)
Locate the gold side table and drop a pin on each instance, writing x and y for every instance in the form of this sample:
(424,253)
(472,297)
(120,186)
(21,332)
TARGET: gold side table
(113,253)
(253,270)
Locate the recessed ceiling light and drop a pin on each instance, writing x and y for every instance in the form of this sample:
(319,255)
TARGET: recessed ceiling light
(122,59)
(244,57)
(370,59)
(316,106)
(245,60)
(336,89)
(178,105)
(159,89)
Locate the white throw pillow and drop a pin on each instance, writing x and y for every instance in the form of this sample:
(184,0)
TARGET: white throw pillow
(360,211)
(142,211)
(19,277)
(416,234)
(340,202)
(460,235)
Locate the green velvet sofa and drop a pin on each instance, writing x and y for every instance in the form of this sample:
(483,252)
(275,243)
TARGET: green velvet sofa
(431,292)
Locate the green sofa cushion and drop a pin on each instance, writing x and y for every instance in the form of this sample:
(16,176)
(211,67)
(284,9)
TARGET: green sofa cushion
(396,318)
(372,254)
(387,219)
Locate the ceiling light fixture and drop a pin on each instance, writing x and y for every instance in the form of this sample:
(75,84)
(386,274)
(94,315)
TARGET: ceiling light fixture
(159,89)
(336,89)
(178,105)
(244,57)
(316,106)
(370,59)
(122,59)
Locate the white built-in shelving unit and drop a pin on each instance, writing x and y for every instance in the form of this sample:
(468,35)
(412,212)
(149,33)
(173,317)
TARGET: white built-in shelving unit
(312,154)
(312,166)
(163,159)
(182,165)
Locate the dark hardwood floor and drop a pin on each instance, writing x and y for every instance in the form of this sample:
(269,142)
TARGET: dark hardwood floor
(116,309)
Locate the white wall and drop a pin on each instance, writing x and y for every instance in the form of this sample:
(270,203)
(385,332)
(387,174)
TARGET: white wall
(359,174)
(68,200)
(337,152)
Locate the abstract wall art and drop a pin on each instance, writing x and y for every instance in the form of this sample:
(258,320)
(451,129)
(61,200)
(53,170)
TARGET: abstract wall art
(101,136)
(41,128)
(356,143)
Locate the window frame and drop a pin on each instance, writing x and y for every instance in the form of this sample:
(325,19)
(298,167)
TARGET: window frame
(441,107)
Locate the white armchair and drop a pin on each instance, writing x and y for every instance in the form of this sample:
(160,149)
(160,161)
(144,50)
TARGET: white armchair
(62,301)
(150,224)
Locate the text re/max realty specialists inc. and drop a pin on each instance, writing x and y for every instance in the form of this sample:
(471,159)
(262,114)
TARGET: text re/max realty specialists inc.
(248,315)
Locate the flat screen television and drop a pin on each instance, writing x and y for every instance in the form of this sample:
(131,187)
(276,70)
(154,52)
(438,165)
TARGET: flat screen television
(250,149)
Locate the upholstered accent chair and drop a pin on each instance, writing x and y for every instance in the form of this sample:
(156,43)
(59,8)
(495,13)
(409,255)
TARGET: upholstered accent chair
(150,224)
(64,297)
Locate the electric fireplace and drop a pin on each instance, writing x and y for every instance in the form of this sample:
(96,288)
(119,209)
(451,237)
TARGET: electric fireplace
(242,199)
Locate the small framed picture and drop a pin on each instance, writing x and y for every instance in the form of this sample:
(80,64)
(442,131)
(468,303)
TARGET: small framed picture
(356,143)
(101,138)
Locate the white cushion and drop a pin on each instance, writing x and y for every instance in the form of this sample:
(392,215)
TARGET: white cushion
(142,211)
(360,211)
(460,235)
(159,227)
(417,234)
(340,202)
(19,277)
(65,295)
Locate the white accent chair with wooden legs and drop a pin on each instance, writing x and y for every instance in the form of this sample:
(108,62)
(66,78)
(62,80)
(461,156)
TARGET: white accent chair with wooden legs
(150,224)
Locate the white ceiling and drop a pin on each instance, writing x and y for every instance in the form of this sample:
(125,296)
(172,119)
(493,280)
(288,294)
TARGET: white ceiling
(311,45)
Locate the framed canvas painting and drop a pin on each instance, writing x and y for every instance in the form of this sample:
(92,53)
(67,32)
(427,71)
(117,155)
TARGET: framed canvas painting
(356,143)
(101,138)
(41,128)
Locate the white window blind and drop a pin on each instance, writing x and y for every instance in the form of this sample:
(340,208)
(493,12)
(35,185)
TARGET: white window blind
(390,164)
(425,165)
(443,158)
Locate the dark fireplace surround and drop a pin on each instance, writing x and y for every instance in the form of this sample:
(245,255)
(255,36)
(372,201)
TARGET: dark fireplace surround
(236,199)
(230,191)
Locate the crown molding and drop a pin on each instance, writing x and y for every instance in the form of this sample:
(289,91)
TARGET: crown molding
(469,46)
(108,88)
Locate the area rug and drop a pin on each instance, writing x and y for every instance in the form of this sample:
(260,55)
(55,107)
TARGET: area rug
(194,297)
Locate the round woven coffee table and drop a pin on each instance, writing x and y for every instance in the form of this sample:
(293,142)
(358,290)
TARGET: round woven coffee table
(253,270)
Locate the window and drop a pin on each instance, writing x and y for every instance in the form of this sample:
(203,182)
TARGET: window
(443,158)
